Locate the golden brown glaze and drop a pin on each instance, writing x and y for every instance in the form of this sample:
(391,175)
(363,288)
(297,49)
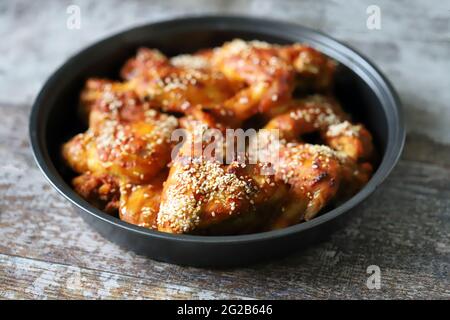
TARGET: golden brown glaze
(175,87)
(315,174)
(139,204)
(100,189)
(201,193)
(270,73)
(323,115)
(127,138)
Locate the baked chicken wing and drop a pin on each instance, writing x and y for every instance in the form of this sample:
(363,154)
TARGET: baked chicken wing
(175,87)
(270,73)
(317,176)
(127,138)
(323,115)
(203,195)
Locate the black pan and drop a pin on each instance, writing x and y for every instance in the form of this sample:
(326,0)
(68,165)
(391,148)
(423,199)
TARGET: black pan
(360,86)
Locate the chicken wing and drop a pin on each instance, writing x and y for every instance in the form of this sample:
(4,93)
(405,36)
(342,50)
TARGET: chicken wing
(324,115)
(202,194)
(102,190)
(175,87)
(133,151)
(270,73)
(139,204)
(317,176)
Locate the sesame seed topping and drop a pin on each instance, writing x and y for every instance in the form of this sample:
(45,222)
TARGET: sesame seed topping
(198,184)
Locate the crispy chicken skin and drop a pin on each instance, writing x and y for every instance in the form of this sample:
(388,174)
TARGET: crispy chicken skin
(139,204)
(315,175)
(133,153)
(324,115)
(126,138)
(270,73)
(175,87)
(129,165)
(99,189)
(201,193)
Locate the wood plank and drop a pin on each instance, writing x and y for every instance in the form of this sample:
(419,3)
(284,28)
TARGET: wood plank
(403,228)
(23,278)
(412,47)
(47,251)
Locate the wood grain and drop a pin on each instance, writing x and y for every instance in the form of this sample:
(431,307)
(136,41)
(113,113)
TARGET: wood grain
(48,252)
(412,47)
(403,228)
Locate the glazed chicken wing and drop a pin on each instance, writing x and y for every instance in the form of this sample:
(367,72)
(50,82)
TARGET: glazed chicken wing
(316,176)
(270,73)
(139,204)
(202,194)
(101,190)
(108,99)
(269,79)
(134,152)
(126,138)
(313,175)
(324,115)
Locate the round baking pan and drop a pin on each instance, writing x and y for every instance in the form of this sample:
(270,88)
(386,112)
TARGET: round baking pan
(360,86)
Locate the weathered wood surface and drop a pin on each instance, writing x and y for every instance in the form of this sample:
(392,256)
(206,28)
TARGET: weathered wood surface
(47,251)
(412,47)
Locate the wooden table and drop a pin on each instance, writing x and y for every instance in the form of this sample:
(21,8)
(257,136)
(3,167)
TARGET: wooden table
(47,251)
